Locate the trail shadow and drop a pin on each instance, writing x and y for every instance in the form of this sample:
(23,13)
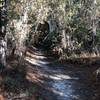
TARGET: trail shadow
(15,85)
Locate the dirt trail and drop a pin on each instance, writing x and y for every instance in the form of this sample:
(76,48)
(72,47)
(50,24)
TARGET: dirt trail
(60,81)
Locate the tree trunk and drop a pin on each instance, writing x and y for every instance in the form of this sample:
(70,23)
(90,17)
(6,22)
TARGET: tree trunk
(64,44)
(3,43)
(94,26)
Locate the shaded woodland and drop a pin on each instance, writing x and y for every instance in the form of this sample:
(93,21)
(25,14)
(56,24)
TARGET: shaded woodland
(55,34)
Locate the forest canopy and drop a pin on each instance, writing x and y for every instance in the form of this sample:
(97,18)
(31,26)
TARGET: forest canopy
(74,25)
(67,27)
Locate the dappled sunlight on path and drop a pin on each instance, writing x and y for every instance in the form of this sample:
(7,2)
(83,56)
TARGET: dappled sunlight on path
(58,82)
(36,59)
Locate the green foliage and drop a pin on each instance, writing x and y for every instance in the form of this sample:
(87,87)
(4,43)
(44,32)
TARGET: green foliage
(13,15)
(98,36)
(77,15)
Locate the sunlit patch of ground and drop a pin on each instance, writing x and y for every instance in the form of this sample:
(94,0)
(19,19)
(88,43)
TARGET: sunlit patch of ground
(36,59)
(36,56)
(36,62)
